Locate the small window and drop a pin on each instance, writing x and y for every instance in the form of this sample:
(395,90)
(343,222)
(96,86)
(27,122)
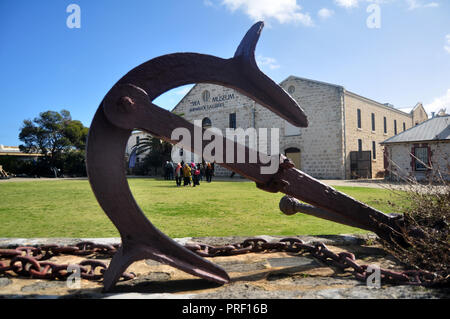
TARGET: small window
(205,96)
(290,130)
(385,124)
(373,122)
(358,114)
(137,139)
(404,126)
(181,152)
(421,160)
(374,150)
(359,145)
(291,89)
(232,120)
(395,127)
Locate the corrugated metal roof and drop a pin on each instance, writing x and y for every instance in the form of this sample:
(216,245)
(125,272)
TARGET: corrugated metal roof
(434,129)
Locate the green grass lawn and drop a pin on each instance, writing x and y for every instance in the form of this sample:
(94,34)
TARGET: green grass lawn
(68,208)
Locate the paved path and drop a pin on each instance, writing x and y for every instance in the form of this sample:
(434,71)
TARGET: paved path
(377,183)
(369,183)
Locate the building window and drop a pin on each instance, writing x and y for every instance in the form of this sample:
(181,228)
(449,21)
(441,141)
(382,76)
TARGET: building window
(373,122)
(290,130)
(358,113)
(395,127)
(421,158)
(374,150)
(359,145)
(232,120)
(404,126)
(205,96)
(206,123)
(385,124)
(181,152)
(291,89)
(137,139)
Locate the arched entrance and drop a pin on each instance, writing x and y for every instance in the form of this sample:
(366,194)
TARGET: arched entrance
(206,123)
(293,154)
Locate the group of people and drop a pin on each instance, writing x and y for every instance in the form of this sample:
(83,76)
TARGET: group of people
(190,174)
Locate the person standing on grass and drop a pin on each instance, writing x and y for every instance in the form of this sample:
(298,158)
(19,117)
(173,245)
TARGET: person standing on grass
(178,173)
(196,177)
(202,170)
(171,170)
(208,172)
(193,168)
(166,170)
(187,174)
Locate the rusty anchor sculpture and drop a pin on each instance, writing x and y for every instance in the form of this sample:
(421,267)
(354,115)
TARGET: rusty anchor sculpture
(128,106)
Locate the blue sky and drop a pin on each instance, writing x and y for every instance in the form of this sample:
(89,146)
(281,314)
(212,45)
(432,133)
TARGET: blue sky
(47,66)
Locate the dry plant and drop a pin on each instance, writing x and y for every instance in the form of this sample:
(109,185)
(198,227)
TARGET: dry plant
(425,227)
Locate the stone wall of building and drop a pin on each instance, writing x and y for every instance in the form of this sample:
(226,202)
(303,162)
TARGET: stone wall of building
(333,131)
(419,114)
(353,133)
(320,144)
(400,161)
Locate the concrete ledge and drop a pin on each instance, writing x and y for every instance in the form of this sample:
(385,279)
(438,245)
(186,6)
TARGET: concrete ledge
(337,240)
(274,275)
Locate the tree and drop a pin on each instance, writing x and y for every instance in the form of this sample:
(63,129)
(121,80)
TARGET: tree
(56,136)
(158,151)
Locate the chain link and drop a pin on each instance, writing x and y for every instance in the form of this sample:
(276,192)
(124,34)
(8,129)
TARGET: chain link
(28,261)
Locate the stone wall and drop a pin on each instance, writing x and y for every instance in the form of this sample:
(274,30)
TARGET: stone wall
(419,114)
(400,159)
(324,145)
(354,102)
(320,144)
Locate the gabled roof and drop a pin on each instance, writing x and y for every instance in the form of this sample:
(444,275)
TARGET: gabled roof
(189,92)
(434,129)
(293,77)
(385,106)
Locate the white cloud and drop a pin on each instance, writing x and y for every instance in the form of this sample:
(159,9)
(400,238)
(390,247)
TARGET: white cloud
(207,3)
(447,47)
(325,13)
(431,5)
(417,4)
(439,103)
(263,61)
(284,11)
(412,4)
(347,3)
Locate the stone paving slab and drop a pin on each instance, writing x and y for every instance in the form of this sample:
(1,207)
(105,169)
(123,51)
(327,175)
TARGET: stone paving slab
(253,276)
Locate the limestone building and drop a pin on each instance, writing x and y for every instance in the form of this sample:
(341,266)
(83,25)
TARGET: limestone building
(420,153)
(340,122)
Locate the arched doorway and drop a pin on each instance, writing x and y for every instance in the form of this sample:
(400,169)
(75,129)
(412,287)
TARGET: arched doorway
(293,154)
(206,123)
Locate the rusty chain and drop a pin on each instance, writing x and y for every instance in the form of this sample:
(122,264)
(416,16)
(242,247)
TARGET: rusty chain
(31,261)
